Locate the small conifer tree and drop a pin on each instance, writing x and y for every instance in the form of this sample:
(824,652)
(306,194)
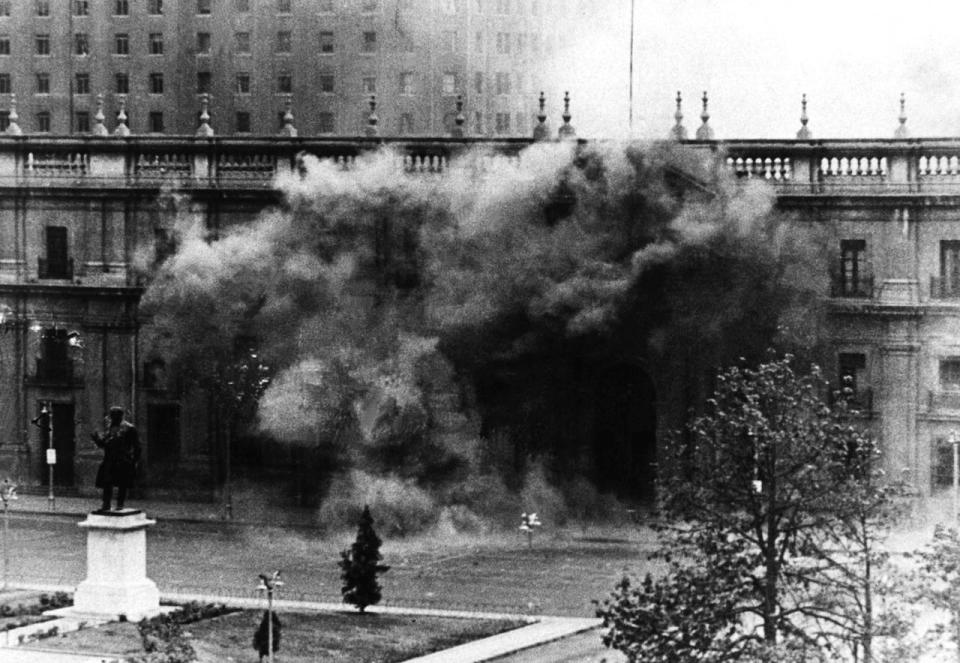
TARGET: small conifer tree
(360,565)
(262,635)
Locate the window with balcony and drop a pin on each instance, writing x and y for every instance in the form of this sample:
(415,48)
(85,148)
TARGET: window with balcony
(54,364)
(4,44)
(121,83)
(156,43)
(43,83)
(243,42)
(6,87)
(42,44)
(43,122)
(478,123)
(203,43)
(947,285)
(57,263)
(81,45)
(121,44)
(368,43)
(855,278)
(81,122)
(326,41)
(853,384)
(81,83)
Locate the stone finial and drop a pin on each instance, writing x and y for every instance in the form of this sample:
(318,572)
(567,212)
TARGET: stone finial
(678,132)
(902,131)
(804,133)
(13,129)
(372,119)
(541,131)
(288,129)
(205,130)
(566,129)
(98,127)
(457,130)
(705,132)
(122,130)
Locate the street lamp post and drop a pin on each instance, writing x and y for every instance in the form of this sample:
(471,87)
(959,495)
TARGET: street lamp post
(268,584)
(954,441)
(8,491)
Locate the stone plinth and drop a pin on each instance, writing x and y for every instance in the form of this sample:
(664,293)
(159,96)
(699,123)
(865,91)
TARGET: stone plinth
(116,582)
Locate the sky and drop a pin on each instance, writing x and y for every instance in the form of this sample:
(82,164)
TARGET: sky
(755,59)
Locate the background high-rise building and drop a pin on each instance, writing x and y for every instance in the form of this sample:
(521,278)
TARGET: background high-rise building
(326,56)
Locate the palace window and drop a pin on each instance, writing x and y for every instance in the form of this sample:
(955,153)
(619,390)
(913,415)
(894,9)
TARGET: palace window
(406,82)
(243,42)
(42,44)
(57,263)
(203,82)
(156,122)
(81,122)
(43,122)
(81,7)
(203,43)
(121,83)
(156,83)
(369,84)
(326,123)
(855,278)
(203,7)
(121,43)
(284,42)
(243,83)
(43,83)
(243,122)
(949,284)
(285,83)
(327,83)
(4,44)
(121,7)
(369,42)
(449,83)
(42,8)
(405,125)
(155,7)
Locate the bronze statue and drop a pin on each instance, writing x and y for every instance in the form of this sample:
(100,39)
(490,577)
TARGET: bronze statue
(121,454)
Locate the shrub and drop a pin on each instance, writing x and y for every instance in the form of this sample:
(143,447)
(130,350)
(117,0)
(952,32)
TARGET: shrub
(360,565)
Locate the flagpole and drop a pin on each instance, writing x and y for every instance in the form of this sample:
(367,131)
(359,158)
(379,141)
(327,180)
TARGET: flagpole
(632,4)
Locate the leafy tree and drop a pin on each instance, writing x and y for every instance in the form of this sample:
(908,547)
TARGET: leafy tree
(773,507)
(940,583)
(262,635)
(360,565)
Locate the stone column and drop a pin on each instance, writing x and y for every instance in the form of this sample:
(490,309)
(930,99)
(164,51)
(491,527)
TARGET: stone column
(898,408)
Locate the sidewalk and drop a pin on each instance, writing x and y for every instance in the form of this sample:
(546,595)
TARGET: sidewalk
(540,630)
(243,513)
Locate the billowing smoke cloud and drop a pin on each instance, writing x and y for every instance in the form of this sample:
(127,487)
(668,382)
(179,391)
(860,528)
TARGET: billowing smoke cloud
(378,301)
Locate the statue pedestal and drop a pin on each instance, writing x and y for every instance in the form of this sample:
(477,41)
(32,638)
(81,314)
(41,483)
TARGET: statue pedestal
(116,582)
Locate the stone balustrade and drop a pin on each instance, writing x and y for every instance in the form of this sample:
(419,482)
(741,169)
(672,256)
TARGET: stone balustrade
(793,167)
(191,162)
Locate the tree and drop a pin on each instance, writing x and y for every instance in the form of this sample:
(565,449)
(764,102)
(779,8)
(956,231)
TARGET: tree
(360,565)
(758,495)
(940,583)
(262,635)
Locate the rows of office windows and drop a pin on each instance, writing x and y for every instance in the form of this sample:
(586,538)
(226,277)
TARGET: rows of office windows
(506,43)
(504,83)
(205,7)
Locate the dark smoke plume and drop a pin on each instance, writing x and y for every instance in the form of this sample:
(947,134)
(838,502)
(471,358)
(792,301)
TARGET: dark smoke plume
(382,304)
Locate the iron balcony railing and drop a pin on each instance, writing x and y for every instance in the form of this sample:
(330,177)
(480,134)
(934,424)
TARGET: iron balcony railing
(860,287)
(54,269)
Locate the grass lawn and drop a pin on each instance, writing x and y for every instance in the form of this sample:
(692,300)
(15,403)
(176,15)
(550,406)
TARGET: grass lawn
(305,638)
